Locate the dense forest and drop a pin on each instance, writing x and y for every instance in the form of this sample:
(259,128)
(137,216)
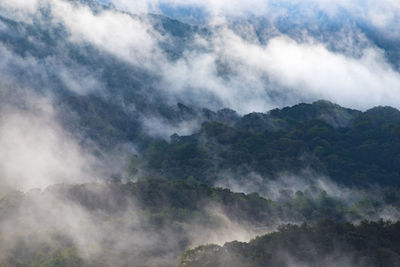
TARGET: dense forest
(167,216)
(199,133)
(324,244)
(351,147)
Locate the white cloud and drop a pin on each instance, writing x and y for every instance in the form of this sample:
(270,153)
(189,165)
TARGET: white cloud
(36,152)
(380,13)
(314,71)
(296,71)
(20,10)
(114,32)
(27,5)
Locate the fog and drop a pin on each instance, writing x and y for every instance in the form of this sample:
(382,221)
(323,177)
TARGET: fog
(220,65)
(107,227)
(233,67)
(382,14)
(36,152)
(284,71)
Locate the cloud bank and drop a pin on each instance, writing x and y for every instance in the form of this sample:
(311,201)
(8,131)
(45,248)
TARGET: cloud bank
(36,152)
(232,67)
(381,14)
(227,66)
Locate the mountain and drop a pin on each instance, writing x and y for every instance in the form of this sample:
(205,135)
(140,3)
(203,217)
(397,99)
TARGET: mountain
(152,222)
(199,135)
(82,79)
(351,147)
(327,243)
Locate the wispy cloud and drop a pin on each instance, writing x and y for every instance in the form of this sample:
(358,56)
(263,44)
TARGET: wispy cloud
(231,68)
(36,152)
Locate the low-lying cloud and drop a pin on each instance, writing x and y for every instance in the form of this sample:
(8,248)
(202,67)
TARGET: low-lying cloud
(227,68)
(283,72)
(35,151)
(381,14)
(233,68)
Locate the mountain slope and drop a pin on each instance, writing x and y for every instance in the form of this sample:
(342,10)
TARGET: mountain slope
(351,147)
(327,244)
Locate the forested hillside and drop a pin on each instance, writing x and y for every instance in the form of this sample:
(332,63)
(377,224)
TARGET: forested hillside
(351,147)
(325,244)
(199,133)
(125,223)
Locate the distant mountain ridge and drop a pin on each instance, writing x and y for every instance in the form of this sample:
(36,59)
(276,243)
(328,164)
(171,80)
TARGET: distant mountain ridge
(124,103)
(142,133)
(351,147)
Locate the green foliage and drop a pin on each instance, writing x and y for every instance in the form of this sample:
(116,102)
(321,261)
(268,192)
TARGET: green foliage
(67,257)
(133,166)
(169,207)
(351,147)
(325,244)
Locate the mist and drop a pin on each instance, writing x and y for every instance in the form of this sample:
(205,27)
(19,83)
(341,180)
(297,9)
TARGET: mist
(63,178)
(232,67)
